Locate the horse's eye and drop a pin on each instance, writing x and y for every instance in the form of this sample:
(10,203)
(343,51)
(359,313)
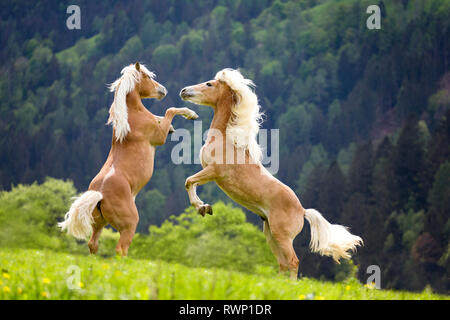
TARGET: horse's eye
(209,84)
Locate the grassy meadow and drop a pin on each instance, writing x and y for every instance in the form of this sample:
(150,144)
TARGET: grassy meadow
(43,274)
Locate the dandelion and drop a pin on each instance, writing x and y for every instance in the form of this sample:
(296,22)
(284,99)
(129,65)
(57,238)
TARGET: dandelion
(19,290)
(320,298)
(46,281)
(6,275)
(81,284)
(44,294)
(370,285)
(105,266)
(6,289)
(347,287)
(301,297)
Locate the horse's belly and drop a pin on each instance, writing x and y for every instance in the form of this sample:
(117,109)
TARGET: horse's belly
(245,196)
(139,168)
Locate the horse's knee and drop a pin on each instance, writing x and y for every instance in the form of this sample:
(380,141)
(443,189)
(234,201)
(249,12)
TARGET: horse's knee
(188,183)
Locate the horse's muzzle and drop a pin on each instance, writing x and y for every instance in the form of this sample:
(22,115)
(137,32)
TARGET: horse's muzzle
(162,92)
(185,93)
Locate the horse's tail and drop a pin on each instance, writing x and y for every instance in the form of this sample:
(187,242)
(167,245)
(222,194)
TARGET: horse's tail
(78,220)
(330,239)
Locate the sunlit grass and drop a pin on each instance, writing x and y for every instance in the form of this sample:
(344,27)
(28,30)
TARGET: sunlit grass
(35,274)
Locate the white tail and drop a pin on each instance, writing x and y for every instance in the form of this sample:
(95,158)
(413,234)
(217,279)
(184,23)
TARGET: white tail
(78,220)
(330,239)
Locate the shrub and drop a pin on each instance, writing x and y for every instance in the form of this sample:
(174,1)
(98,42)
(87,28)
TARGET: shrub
(28,214)
(224,240)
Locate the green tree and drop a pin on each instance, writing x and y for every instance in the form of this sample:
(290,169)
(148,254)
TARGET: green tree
(151,205)
(166,57)
(408,166)
(437,222)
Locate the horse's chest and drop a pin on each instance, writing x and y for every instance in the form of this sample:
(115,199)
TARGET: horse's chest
(207,155)
(212,152)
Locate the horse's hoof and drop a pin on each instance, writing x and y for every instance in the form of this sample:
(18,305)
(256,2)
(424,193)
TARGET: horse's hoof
(209,209)
(205,209)
(193,116)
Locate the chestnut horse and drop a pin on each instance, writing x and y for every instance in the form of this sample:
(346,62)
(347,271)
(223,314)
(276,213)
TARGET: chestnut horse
(232,136)
(129,166)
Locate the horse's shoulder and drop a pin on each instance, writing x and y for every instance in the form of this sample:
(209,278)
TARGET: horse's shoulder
(144,117)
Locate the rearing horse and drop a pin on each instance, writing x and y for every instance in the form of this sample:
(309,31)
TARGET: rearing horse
(231,157)
(129,166)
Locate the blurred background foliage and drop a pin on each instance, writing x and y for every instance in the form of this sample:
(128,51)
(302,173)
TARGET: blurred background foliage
(363,118)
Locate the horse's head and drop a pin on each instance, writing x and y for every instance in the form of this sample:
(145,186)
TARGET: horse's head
(230,91)
(208,93)
(135,78)
(147,86)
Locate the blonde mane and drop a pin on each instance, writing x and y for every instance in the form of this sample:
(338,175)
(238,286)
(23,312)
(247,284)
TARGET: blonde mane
(243,126)
(118,113)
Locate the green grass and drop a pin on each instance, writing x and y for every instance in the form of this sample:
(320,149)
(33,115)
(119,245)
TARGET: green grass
(36,274)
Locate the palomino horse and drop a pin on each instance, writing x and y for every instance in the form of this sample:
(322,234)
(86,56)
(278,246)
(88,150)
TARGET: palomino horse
(129,166)
(233,131)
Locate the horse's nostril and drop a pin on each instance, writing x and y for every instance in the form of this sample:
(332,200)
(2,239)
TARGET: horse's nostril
(185,93)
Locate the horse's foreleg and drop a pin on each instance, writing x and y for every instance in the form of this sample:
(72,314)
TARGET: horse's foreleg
(163,127)
(171,129)
(165,123)
(201,177)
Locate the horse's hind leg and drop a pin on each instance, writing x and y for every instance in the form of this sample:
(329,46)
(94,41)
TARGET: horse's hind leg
(271,241)
(283,229)
(126,236)
(273,244)
(126,220)
(97,228)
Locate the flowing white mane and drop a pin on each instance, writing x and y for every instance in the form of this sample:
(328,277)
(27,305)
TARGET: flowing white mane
(243,126)
(118,113)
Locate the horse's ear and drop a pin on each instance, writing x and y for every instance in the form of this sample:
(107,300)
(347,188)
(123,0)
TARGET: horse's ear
(138,66)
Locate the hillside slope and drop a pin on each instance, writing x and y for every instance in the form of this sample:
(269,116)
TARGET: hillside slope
(363,114)
(35,274)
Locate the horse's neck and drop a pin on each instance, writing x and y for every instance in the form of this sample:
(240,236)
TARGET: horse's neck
(134,104)
(134,101)
(222,114)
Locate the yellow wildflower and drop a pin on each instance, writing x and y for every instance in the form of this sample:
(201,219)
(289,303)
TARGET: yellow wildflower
(46,281)
(44,294)
(320,298)
(6,275)
(370,285)
(6,289)
(105,266)
(347,287)
(301,297)
(19,290)
(81,284)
